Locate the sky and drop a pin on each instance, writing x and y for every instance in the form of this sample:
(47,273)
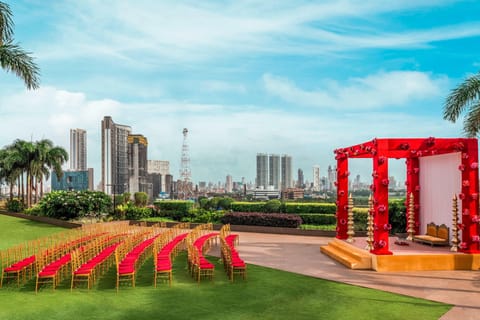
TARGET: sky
(287,77)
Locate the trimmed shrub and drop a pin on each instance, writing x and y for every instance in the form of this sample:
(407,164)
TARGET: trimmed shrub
(360,218)
(272,206)
(15,205)
(315,207)
(248,206)
(397,215)
(262,219)
(141,199)
(204,216)
(318,218)
(175,209)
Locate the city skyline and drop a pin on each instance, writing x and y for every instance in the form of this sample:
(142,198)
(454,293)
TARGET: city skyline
(297,77)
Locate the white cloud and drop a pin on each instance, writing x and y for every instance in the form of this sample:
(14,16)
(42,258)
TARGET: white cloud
(224,139)
(223,86)
(147,33)
(374,91)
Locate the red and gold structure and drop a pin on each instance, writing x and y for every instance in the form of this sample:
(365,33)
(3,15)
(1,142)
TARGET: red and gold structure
(411,149)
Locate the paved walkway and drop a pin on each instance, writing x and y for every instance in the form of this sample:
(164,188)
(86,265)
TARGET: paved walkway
(460,288)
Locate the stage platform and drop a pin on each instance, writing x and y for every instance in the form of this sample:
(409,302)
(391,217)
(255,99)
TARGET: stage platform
(411,257)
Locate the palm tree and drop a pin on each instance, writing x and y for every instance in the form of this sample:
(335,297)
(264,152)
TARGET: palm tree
(12,57)
(47,157)
(465,96)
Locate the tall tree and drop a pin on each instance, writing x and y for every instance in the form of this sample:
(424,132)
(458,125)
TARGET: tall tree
(12,57)
(465,96)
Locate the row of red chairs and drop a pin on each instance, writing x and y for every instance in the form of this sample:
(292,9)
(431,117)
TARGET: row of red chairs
(199,265)
(97,263)
(163,258)
(232,262)
(25,268)
(127,267)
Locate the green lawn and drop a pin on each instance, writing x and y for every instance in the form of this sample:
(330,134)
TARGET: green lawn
(267,294)
(15,231)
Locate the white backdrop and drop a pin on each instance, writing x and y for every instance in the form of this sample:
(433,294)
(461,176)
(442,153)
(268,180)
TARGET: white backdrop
(440,179)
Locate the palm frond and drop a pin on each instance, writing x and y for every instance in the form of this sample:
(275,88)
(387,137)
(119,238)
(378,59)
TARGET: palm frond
(471,123)
(14,59)
(462,97)
(6,23)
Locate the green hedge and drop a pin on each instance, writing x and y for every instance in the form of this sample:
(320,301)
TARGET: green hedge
(175,209)
(248,206)
(318,218)
(302,208)
(262,219)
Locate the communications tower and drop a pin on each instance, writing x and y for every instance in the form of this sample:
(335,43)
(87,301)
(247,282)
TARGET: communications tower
(184,186)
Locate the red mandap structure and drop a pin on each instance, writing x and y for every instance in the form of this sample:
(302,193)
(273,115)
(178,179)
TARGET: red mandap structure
(465,152)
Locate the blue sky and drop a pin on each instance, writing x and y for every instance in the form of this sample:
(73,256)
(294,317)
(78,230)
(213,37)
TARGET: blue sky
(291,77)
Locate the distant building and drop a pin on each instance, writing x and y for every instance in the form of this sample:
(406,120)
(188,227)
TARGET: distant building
(115,175)
(264,194)
(155,181)
(332,177)
(316,178)
(300,179)
(70,181)
(161,167)
(262,170)
(229,184)
(293,193)
(287,172)
(78,149)
(274,171)
(137,163)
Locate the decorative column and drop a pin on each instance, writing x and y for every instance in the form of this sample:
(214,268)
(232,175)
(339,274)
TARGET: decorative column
(381,227)
(342,194)
(455,239)
(370,224)
(469,196)
(351,229)
(411,217)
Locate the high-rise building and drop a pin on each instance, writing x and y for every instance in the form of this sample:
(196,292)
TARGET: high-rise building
(300,179)
(286,172)
(316,178)
(262,170)
(78,149)
(274,171)
(332,177)
(137,163)
(115,175)
(229,184)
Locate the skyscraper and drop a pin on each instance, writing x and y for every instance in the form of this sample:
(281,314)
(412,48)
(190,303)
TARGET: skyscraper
(78,150)
(115,176)
(229,184)
(137,163)
(300,179)
(274,171)
(286,172)
(262,170)
(316,178)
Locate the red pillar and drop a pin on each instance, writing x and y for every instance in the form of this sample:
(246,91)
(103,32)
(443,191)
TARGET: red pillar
(469,198)
(380,202)
(413,187)
(342,196)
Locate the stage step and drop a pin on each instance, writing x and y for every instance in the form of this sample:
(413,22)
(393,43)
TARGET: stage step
(348,255)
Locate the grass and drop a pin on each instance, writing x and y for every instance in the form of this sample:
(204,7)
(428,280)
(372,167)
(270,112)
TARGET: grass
(267,294)
(324,227)
(16,231)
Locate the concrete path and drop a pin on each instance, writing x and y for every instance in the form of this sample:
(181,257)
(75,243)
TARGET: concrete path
(460,288)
